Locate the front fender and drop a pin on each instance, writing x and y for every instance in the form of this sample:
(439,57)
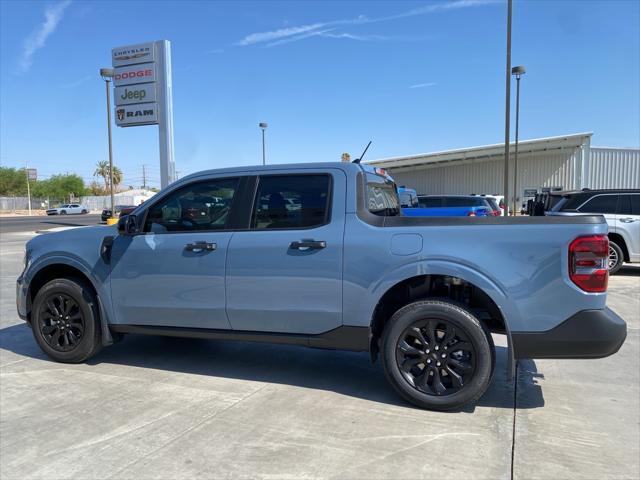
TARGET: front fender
(97,275)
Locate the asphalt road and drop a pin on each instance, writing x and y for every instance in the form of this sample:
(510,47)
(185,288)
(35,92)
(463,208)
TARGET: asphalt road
(34,223)
(155,408)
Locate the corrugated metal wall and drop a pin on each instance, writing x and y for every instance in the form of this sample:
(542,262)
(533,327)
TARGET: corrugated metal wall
(556,168)
(614,168)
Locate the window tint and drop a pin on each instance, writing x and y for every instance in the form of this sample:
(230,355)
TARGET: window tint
(464,202)
(624,205)
(408,199)
(196,207)
(430,202)
(600,204)
(291,201)
(635,204)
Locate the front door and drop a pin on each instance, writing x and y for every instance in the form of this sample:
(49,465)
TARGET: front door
(173,273)
(284,274)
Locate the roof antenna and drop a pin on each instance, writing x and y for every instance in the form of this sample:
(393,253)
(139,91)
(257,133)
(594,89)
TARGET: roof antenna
(358,160)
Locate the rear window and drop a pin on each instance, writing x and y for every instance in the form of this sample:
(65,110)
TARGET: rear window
(464,202)
(600,204)
(629,204)
(382,197)
(430,202)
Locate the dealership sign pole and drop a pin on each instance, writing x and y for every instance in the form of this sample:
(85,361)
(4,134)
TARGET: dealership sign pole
(143,95)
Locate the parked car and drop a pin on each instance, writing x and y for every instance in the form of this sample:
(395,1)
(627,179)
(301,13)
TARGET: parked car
(68,209)
(106,213)
(621,209)
(408,197)
(218,254)
(450,206)
(498,199)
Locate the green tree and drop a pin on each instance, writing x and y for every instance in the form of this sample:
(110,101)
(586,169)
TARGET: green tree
(13,181)
(60,186)
(102,170)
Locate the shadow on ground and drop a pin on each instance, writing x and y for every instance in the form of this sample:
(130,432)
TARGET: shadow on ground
(628,271)
(346,373)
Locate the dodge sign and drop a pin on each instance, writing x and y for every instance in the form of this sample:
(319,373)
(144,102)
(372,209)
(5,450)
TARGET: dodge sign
(143,73)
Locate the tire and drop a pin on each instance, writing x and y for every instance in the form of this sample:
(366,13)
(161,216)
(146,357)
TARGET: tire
(466,372)
(616,258)
(71,342)
(63,212)
(84,211)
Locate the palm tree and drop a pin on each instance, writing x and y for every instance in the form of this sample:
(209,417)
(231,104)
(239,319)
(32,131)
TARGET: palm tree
(102,170)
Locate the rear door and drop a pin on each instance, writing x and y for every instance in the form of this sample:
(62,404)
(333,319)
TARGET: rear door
(284,274)
(628,223)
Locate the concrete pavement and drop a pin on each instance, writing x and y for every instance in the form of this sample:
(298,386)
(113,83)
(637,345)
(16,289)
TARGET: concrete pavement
(183,408)
(39,222)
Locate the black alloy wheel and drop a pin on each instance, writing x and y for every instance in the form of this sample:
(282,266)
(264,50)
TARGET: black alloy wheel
(437,354)
(435,357)
(66,321)
(61,322)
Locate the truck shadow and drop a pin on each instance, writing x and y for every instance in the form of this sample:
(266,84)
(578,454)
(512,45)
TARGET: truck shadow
(346,373)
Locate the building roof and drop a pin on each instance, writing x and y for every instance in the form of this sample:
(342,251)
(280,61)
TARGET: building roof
(485,151)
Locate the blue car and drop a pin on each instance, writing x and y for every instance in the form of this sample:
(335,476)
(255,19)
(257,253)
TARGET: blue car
(445,205)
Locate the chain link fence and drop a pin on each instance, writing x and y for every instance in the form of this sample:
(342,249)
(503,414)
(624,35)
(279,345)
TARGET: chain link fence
(94,202)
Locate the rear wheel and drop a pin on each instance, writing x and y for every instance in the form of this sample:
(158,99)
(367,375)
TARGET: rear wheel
(616,257)
(437,355)
(64,320)
(84,211)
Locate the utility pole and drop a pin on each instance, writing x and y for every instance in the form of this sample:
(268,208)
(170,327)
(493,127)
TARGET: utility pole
(144,177)
(26,170)
(507,107)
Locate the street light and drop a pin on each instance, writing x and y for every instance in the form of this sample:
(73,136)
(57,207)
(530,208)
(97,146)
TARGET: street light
(107,75)
(517,72)
(263,126)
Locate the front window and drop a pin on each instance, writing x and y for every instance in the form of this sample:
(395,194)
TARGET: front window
(196,207)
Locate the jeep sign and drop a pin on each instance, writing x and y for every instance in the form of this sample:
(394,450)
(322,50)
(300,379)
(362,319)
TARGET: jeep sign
(137,114)
(143,93)
(143,73)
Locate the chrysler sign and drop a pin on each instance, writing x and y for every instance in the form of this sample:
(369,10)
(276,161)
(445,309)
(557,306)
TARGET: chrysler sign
(142,53)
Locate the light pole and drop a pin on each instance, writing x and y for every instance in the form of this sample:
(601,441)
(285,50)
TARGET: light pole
(507,110)
(107,75)
(517,72)
(263,126)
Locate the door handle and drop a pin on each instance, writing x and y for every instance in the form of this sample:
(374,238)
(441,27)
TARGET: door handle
(627,220)
(308,245)
(200,246)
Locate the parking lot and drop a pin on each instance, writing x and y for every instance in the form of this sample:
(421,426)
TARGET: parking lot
(183,408)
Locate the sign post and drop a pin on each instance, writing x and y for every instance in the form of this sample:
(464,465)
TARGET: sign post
(143,95)
(32,175)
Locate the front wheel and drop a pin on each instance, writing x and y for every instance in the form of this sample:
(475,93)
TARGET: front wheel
(616,257)
(437,355)
(64,320)
(63,212)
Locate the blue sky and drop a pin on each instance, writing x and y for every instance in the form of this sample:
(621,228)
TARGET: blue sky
(327,77)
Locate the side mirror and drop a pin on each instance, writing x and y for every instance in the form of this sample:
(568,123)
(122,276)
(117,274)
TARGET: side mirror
(128,225)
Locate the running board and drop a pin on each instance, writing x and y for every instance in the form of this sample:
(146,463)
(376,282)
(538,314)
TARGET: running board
(355,339)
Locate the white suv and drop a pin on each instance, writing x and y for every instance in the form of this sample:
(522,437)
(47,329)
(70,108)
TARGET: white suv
(621,208)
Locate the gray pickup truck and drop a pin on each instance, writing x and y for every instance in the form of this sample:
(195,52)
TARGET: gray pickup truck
(320,255)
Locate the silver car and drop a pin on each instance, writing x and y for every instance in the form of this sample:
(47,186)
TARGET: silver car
(68,209)
(621,209)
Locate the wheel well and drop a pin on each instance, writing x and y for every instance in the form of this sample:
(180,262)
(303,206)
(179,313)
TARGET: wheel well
(617,238)
(435,286)
(51,272)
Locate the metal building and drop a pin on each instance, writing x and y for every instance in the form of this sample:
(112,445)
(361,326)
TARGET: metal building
(565,162)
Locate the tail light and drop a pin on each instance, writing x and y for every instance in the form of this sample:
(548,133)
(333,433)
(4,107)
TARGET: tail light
(588,263)
(471,214)
(497,213)
(501,204)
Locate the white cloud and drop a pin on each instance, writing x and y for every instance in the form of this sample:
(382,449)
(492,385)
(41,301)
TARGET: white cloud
(293,34)
(422,85)
(38,38)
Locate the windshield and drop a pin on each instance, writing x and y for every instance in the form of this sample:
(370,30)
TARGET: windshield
(382,198)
